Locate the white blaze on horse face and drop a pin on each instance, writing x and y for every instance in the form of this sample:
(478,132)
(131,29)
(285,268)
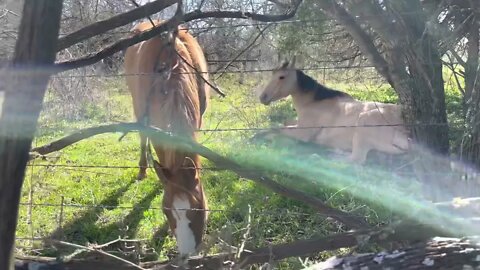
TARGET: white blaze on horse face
(185,238)
(281,85)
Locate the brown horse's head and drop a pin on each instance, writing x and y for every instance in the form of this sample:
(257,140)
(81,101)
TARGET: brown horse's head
(184,204)
(281,85)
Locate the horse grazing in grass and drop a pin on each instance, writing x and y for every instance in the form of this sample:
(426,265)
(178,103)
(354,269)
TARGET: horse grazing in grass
(318,106)
(169,94)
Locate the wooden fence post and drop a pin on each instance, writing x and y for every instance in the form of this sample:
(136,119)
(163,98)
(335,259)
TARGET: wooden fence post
(27,80)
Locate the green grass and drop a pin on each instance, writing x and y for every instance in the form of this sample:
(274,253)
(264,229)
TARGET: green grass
(134,211)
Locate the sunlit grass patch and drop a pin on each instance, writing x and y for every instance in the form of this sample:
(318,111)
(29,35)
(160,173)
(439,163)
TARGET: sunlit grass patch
(103,201)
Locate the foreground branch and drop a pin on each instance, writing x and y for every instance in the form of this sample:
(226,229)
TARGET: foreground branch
(122,44)
(159,137)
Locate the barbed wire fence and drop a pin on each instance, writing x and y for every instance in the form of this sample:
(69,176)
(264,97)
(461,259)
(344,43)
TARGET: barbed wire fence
(62,205)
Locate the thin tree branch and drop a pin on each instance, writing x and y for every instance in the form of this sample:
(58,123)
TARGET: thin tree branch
(169,25)
(278,3)
(455,74)
(363,39)
(224,68)
(149,18)
(458,58)
(371,13)
(195,15)
(116,47)
(101,27)
(97,250)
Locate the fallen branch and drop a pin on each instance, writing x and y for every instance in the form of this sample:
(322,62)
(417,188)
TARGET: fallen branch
(438,253)
(401,232)
(159,137)
(98,251)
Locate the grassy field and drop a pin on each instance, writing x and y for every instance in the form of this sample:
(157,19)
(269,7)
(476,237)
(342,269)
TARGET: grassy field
(95,181)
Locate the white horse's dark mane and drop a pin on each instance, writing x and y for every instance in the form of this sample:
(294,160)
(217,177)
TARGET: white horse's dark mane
(321,92)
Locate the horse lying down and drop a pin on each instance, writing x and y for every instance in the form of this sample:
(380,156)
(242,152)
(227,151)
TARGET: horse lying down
(333,118)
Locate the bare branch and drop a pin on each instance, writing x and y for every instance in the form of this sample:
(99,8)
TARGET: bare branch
(169,25)
(378,20)
(101,27)
(149,18)
(224,68)
(279,3)
(458,58)
(118,46)
(98,251)
(364,41)
(455,74)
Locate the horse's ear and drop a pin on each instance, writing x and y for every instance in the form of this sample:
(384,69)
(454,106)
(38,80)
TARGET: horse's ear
(189,163)
(190,167)
(163,173)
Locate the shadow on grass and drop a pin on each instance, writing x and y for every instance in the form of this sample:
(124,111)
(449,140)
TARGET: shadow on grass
(81,229)
(129,224)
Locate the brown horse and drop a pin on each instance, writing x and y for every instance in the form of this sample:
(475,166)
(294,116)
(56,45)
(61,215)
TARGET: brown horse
(169,94)
(319,106)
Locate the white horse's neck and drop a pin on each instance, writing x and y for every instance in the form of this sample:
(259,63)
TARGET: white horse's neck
(306,106)
(301,100)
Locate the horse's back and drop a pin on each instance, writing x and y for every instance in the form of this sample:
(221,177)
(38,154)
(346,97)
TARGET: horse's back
(141,58)
(346,117)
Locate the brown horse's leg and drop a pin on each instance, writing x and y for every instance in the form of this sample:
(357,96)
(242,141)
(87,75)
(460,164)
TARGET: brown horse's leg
(143,158)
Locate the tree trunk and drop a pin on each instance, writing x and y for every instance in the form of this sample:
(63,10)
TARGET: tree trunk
(27,80)
(420,85)
(472,56)
(471,140)
(470,151)
(421,92)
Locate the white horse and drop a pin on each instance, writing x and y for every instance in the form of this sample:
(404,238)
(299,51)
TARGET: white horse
(333,118)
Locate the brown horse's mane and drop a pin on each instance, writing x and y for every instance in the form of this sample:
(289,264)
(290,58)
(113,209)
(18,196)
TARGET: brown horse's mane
(179,100)
(308,85)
